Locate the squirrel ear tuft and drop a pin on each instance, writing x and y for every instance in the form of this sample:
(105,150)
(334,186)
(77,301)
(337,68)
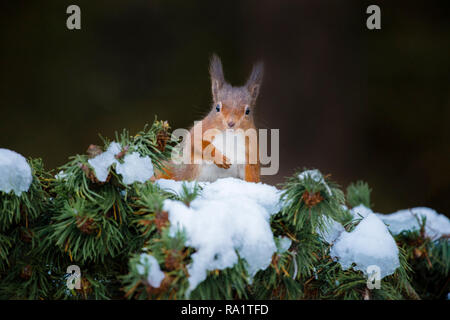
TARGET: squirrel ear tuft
(217,77)
(254,81)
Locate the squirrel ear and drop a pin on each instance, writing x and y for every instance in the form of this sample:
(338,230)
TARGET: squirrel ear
(254,81)
(216,73)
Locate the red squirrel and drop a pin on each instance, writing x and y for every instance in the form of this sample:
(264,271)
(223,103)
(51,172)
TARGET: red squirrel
(232,111)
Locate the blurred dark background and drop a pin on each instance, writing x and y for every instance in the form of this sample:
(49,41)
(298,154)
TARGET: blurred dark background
(358,104)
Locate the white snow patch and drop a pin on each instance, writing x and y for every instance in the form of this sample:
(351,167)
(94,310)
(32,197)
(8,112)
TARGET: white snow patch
(369,244)
(230,215)
(333,230)
(237,191)
(133,169)
(15,172)
(283,244)
(103,161)
(61,175)
(436,224)
(149,266)
(316,176)
(360,211)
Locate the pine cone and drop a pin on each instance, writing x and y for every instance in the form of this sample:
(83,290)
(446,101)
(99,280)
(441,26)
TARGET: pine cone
(85,287)
(173,260)
(86,225)
(311,199)
(161,220)
(417,253)
(165,284)
(26,272)
(163,136)
(93,151)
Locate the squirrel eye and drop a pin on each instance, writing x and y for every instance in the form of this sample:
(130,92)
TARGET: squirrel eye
(247,111)
(218,108)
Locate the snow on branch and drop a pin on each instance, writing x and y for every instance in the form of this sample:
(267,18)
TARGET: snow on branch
(15,172)
(229,218)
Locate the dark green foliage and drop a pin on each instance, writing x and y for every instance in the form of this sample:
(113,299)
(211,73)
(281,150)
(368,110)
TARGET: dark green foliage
(22,269)
(146,142)
(226,284)
(307,203)
(187,194)
(105,227)
(430,260)
(358,193)
(26,207)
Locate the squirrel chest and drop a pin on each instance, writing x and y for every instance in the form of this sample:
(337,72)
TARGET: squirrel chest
(232,145)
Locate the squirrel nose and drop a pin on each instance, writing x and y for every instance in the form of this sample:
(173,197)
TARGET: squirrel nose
(231,124)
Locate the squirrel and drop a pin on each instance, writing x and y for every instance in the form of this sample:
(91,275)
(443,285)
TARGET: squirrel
(231,115)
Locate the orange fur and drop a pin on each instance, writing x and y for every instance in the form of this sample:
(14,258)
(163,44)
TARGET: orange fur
(232,103)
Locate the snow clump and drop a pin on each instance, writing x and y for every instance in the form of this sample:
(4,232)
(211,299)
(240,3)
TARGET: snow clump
(149,266)
(229,217)
(436,225)
(333,230)
(370,243)
(133,169)
(15,172)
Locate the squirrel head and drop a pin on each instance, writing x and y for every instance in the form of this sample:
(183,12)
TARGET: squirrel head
(233,107)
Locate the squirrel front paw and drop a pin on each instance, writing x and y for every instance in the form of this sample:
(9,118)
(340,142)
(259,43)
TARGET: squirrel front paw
(224,164)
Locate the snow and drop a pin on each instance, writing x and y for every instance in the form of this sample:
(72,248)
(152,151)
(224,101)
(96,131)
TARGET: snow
(370,243)
(133,169)
(230,216)
(149,266)
(266,195)
(61,175)
(283,244)
(360,211)
(316,176)
(103,161)
(15,172)
(236,191)
(333,230)
(436,224)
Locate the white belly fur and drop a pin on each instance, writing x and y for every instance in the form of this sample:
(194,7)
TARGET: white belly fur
(211,172)
(232,145)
